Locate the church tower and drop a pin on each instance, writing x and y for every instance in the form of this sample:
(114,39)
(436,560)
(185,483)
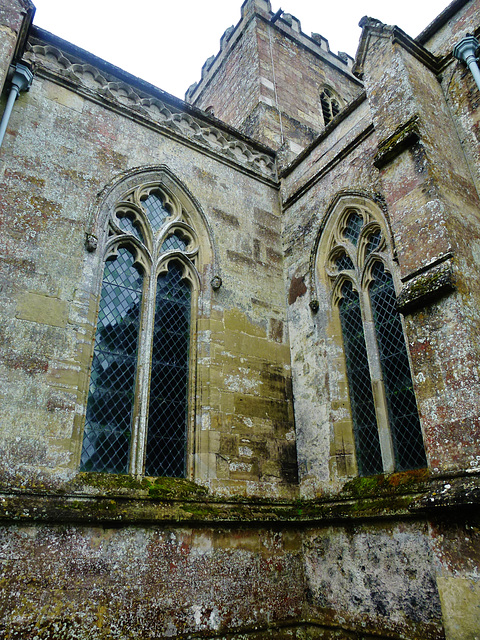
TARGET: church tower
(273,82)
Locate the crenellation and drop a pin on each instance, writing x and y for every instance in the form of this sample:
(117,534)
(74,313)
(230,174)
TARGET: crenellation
(282,38)
(250,7)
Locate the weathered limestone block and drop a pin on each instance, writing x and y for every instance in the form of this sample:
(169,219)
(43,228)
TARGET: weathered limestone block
(378,578)
(42,309)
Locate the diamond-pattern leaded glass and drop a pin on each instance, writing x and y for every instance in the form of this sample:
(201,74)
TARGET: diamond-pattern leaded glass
(174,242)
(373,241)
(117,391)
(156,212)
(167,421)
(369,458)
(353,226)
(128,226)
(402,407)
(344,263)
(106,442)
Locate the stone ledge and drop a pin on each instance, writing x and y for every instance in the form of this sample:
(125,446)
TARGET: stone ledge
(426,287)
(456,493)
(402,138)
(167,501)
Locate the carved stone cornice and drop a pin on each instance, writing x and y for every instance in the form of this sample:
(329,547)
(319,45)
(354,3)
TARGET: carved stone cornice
(99,84)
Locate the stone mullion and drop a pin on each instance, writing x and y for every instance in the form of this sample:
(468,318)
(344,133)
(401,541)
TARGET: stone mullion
(142,387)
(378,387)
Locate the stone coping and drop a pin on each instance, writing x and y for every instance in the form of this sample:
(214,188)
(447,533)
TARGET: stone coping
(110,499)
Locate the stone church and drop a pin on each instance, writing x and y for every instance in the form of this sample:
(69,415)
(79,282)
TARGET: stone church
(240,353)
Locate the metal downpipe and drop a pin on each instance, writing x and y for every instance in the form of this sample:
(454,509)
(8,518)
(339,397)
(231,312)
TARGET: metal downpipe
(466,50)
(21,81)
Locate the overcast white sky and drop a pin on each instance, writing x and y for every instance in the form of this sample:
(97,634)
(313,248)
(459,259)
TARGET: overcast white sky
(166,42)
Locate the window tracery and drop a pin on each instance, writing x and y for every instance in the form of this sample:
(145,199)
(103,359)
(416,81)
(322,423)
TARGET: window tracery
(330,104)
(138,407)
(358,267)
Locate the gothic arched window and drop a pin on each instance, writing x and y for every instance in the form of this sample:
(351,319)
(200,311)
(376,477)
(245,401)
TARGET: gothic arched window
(330,104)
(137,408)
(359,267)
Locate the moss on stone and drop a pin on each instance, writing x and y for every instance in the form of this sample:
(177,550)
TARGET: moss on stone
(175,488)
(392,484)
(426,287)
(108,481)
(403,137)
(96,497)
(161,488)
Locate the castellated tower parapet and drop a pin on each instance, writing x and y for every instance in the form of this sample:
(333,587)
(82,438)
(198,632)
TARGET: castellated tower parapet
(250,7)
(274,82)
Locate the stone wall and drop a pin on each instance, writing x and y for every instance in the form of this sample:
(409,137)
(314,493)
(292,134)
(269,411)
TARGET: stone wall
(262,61)
(77,133)
(110,556)
(399,152)
(100,582)
(309,188)
(433,207)
(232,551)
(374,577)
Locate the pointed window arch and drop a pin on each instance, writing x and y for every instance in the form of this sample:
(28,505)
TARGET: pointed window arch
(358,270)
(330,103)
(138,409)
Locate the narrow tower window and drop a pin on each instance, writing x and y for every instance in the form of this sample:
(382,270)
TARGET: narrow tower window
(330,104)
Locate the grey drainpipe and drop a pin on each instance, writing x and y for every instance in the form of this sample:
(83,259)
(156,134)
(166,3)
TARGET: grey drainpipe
(465,50)
(21,81)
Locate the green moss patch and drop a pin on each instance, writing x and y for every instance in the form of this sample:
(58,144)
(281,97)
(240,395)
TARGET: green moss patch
(393,484)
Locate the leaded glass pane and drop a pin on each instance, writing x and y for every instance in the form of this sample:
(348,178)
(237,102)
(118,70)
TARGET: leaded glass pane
(343,263)
(353,226)
(369,458)
(167,421)
(174,242)
(156,212)
(402,407)
(127,225)
(106,441)
(373,241)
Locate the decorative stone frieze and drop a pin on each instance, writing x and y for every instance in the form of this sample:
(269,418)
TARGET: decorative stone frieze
(51,61)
